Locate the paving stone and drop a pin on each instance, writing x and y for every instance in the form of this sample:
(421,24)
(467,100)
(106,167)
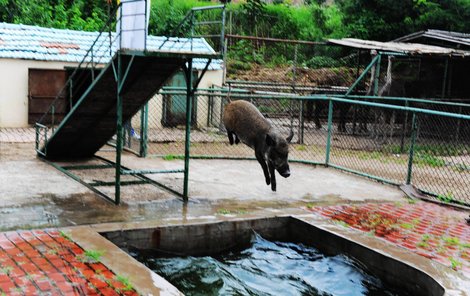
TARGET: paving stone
(433,231)
(45,263)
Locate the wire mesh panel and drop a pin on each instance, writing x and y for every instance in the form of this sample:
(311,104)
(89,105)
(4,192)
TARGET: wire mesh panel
(371,140)
(166,134)
(389,142)
(441,162)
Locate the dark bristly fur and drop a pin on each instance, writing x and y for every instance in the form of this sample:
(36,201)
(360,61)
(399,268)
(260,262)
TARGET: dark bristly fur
(245,123)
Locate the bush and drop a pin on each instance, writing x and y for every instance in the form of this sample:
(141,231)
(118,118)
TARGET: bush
(318,62)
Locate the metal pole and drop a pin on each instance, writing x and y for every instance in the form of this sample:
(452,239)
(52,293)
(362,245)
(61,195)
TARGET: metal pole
(119,133)
(377,74)
(189,83)
(412,146)
(444,80)
(222,34)
(372,63)
(330,131)
(405,130)
(144,119)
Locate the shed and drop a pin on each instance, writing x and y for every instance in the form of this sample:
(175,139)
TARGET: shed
(424,70)
(35,63)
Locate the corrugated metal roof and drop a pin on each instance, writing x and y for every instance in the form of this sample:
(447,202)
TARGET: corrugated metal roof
(449,36)
(400,47)
(47,44)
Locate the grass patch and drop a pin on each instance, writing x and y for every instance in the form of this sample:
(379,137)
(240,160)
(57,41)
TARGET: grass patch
(407,225)
(424,241)
(432,149)
(451,241)
(231,212)
(170,157)
(429,160)
(65,235)
(341,222)
(447,198)
(126,282)
(91,256)
(454,263)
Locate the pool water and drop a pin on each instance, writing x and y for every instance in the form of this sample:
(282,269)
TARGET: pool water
(267,268)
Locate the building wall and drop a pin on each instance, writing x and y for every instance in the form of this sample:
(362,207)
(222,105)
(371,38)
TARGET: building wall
(14,92)
(14,89)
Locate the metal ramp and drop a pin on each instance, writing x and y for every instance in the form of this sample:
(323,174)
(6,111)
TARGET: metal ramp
(108,87)
(92,122)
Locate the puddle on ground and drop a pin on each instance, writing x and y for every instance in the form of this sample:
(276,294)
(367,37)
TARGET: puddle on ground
(81,209)
(267,268)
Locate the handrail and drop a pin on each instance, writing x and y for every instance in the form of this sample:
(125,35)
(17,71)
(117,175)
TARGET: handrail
(190,17)
(79,66)
(210,91)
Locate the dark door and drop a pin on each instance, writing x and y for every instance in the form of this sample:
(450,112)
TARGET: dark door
(174,106)
(43,86)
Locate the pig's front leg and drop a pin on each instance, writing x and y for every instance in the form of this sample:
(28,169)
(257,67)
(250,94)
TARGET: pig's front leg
(262,162)
(272,172)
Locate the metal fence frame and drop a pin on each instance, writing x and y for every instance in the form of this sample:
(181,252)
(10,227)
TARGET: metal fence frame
(332,100)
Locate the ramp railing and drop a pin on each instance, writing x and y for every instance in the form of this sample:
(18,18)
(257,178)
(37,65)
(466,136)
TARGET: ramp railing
(93,62)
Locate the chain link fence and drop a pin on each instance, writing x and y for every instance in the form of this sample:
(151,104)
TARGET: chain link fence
(396,144)
(397,119)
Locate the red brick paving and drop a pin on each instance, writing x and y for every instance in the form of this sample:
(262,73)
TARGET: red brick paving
(436,232)
(46,263)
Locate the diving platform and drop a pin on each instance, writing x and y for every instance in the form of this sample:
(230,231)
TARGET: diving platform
(111,84)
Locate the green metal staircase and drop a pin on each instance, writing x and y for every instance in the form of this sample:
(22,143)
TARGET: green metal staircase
(92,121)
(108,87)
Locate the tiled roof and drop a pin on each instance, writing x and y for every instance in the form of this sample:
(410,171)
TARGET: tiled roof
(46,44)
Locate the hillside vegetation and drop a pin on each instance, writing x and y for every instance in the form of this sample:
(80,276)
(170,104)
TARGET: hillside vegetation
(381,20)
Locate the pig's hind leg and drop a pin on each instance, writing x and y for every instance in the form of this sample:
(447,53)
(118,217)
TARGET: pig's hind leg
(232,137)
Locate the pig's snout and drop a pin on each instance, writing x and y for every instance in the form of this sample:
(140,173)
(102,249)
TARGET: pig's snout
(285,174)
(284,171)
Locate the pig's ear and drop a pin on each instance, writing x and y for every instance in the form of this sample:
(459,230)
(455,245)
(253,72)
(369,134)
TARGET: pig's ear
(291,135)
(270,141)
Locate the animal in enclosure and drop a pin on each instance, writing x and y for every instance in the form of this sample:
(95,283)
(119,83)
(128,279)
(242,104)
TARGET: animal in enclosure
(315,108)
(245,123)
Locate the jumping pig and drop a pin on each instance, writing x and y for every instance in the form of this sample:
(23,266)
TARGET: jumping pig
(244,122)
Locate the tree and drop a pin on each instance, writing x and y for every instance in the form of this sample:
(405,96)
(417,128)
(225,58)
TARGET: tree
(385,20)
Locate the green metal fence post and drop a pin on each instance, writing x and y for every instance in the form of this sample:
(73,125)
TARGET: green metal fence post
(330,131)
(412,146)
(119,133)
(377,74)
(189,88)
(144,119)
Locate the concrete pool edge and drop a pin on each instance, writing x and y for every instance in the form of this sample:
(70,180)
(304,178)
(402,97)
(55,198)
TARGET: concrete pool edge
(91,237)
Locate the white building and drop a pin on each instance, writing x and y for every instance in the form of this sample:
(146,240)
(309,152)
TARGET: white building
(35,63)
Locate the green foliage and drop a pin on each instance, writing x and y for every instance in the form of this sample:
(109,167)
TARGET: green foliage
(172,157)
(447,198)
(383,20)
(126,282)
(88,15)
(318,62)
(91,256)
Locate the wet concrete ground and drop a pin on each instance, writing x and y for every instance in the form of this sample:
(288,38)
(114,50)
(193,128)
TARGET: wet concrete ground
(35,195)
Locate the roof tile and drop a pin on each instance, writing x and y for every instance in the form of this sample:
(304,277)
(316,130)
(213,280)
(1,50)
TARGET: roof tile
(38,43)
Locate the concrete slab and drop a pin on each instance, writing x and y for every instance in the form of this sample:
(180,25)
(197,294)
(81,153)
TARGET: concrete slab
(34,194)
